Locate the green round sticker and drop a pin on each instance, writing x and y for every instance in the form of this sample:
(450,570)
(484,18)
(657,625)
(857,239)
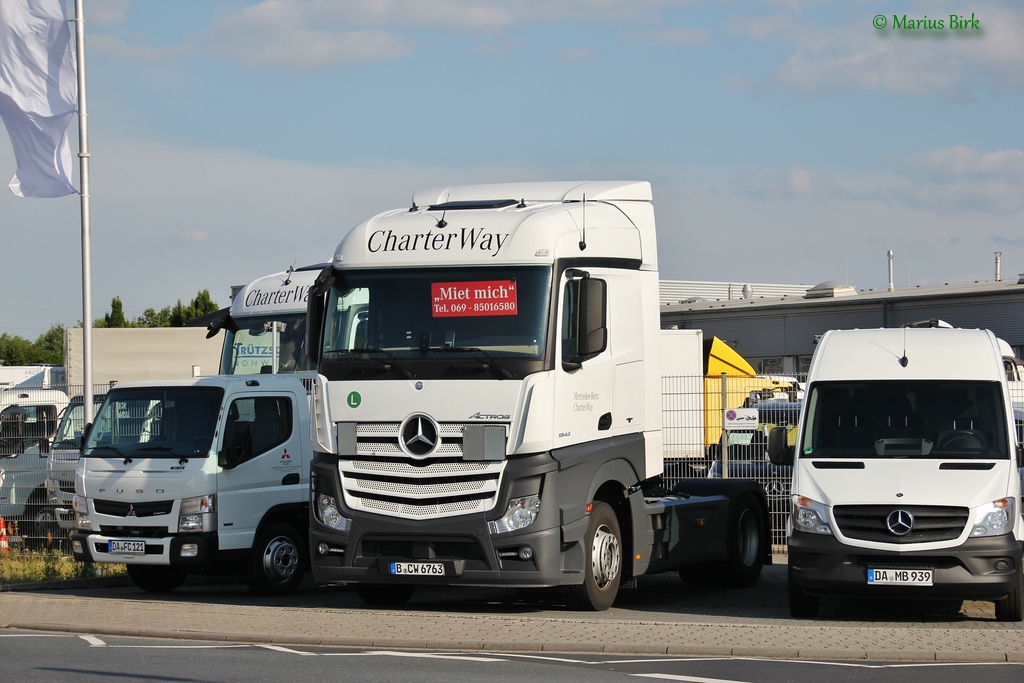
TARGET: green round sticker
(354,399)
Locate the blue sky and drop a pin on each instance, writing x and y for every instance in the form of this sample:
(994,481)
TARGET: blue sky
(787,141)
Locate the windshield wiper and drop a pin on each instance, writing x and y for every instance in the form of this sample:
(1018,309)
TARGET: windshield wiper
(115,451)
(473,349)
(390,356)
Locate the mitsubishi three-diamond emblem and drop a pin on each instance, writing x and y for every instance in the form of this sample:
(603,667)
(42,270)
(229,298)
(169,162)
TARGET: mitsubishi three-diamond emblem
(418,436)
(900,522)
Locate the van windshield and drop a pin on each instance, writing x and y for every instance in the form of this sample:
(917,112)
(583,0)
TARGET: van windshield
(155,422)
(893,419)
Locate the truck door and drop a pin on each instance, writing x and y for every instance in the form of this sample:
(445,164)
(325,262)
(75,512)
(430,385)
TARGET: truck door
(269,474)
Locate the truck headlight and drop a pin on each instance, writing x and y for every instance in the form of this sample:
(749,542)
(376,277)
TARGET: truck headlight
(521,513)
(994,519)
(810,516)
(196,514)
(327,513)
(81,507)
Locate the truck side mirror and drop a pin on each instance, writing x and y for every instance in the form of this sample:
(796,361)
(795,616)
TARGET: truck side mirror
(84,436)
(779,451)
(593,330)
(315,313)
(240,448)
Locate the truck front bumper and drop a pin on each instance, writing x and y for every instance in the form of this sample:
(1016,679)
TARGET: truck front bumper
(179,551)
(978,569)
(475,558)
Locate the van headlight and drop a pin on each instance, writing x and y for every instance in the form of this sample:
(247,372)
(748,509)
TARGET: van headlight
(994,519)
(197,514)
(521,513)
(810,516)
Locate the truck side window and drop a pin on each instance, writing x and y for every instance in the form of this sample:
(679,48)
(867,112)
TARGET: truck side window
(270,418)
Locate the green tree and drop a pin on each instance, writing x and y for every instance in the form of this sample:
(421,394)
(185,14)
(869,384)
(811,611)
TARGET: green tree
(116,316)
(169,316)
(15,350)
(201,305)
(50,345)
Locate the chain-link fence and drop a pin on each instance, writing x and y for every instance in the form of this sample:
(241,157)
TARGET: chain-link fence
(40,434)
(706,417)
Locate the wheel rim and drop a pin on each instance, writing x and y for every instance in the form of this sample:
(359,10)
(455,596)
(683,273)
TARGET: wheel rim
(747,539)
(280,559)
(605,556)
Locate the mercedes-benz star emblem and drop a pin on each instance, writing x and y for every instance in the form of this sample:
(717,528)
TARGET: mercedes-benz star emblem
(900,522)
(419,435)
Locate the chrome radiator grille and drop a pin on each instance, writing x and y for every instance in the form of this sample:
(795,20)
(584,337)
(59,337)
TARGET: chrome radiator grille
(383,479)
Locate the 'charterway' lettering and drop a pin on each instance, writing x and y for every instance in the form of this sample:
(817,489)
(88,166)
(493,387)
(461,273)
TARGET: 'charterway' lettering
(465,239)
(280,297)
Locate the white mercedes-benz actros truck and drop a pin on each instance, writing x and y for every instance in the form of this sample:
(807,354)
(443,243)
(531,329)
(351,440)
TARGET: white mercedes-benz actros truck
(487,410)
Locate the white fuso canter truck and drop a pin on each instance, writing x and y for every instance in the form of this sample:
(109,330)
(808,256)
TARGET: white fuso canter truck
(203,475)
(905,471)
(488,405)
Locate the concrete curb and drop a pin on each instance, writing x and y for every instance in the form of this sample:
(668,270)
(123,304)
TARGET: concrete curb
(829,654)
(66,584)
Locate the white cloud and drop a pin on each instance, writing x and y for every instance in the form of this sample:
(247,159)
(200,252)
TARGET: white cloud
(679,35)
(317,34)
(105,12)
(116,47)
(966,179)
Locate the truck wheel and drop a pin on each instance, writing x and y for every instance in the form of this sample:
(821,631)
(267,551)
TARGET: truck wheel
(277,561)
(802,605)
(603,544)
(1011,608)
(746,553)
(43,531)
(385,594)
(156,579)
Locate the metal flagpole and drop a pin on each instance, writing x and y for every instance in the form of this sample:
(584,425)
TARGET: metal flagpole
(83,158)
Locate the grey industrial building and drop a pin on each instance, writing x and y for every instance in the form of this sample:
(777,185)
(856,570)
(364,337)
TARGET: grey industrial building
(777,333)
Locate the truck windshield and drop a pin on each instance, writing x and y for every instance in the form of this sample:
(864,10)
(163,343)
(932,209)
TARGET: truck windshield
(155,422)
(426,321)
(266,343)
(890,419)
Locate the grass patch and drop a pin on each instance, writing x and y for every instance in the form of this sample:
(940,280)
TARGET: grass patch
(50,565)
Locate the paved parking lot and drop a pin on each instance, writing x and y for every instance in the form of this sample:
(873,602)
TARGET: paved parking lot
(660,615)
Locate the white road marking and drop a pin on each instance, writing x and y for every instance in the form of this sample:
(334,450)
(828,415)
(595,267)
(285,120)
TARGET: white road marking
(278,648)
(690,679)
(416,655)
(93,641)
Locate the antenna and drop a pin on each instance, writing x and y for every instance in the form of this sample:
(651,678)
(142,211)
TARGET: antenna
(443,223)
(288,277)
(583,241)
(904,360)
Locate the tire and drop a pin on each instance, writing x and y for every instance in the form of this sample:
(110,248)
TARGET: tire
(802,605)
(603,564)
(278,561)
(385,594)
(44,533)
(156,579)
(746,537)
(1011,608)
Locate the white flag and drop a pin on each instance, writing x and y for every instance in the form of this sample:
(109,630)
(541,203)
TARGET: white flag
(38,94)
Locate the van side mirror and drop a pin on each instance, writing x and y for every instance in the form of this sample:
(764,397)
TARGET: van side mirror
(779,451)
(1020,455)
(84,436)
(240,448)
